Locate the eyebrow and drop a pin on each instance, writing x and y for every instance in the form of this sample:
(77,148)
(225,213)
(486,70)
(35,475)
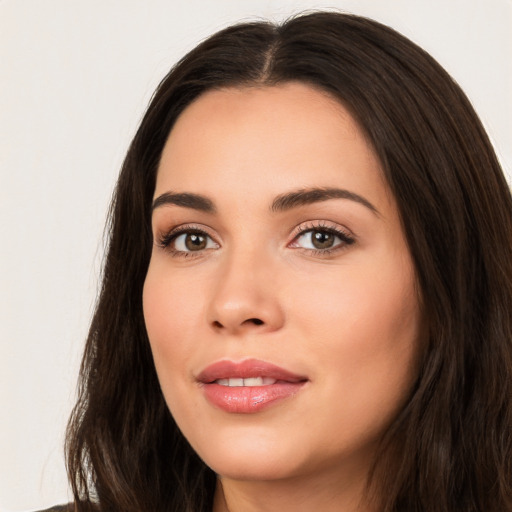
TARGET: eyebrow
(281,203)
(186,200)
(307,196)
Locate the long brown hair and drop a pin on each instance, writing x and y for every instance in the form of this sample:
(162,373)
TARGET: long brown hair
(450,448)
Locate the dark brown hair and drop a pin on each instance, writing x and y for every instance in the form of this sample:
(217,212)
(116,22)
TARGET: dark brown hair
(450,448)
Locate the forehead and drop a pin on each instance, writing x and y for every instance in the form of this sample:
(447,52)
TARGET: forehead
(267,139)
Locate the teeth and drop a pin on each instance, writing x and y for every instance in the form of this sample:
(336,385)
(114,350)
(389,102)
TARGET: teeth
(253,381)
(250,382)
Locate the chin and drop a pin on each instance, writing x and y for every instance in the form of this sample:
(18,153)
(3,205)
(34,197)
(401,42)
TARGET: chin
(251,469)
(250,458)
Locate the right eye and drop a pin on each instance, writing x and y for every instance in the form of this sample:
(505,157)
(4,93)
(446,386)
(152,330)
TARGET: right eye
(193,241)
(183,241)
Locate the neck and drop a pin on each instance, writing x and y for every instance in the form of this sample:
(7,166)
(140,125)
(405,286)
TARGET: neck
(326,493)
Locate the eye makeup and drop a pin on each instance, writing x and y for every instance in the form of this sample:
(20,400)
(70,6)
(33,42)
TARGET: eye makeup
(317,238)
(321,238)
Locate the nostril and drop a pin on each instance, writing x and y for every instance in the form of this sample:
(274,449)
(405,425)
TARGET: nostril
(250,321)
(255,321)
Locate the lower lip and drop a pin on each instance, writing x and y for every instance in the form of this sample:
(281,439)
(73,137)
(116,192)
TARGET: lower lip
(249,399)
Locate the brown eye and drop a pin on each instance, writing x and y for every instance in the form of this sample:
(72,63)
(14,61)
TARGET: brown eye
(322,239)
(195,242)
(192,241)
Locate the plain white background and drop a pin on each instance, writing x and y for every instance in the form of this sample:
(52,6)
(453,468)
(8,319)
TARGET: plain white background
(75,79)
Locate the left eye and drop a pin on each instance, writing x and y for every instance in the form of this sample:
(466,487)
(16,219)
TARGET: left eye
(319,239)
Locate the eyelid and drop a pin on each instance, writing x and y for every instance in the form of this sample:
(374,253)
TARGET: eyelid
(164,238)
(344,234)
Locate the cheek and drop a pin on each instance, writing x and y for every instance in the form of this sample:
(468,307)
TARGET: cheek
(170,309)
(169,314)
(363,329)
(174,310)
(372,305)
(171,299)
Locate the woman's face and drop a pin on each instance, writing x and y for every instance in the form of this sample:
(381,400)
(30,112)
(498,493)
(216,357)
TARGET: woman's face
(280,299)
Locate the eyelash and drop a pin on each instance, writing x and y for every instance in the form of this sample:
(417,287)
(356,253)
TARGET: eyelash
(166,239)
(345,238)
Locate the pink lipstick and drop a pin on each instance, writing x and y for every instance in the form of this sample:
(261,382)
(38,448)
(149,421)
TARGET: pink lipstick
(247,386)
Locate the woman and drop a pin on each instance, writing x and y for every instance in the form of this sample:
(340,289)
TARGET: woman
(307,293)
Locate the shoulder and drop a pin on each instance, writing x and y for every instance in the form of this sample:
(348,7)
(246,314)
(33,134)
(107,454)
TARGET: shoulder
(70,507)
(59,508)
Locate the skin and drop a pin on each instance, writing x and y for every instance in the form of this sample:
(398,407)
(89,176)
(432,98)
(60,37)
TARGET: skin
(347,319)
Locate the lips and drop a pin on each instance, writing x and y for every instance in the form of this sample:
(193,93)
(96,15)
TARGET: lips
(248,386)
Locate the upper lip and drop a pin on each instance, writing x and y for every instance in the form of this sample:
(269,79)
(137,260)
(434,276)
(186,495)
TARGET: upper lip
(246,369)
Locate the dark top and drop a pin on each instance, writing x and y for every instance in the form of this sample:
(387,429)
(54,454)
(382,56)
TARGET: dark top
(60,508)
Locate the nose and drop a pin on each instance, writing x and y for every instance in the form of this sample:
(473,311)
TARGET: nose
(245,297)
